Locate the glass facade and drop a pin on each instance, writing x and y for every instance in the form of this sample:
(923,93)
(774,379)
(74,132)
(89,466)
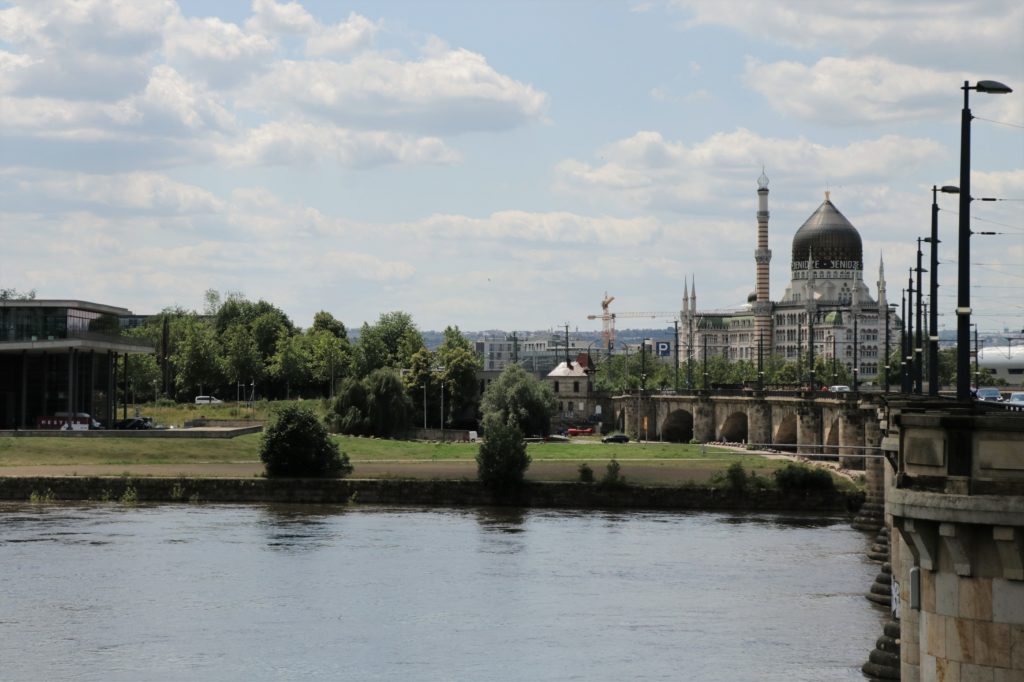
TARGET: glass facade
(53,323)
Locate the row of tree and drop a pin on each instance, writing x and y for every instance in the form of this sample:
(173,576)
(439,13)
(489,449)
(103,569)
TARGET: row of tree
(241,349)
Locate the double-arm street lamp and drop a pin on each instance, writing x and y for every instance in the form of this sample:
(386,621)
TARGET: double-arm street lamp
(933,290)
(963,299)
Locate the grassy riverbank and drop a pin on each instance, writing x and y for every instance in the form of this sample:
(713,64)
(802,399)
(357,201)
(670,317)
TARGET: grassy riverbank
(647,463)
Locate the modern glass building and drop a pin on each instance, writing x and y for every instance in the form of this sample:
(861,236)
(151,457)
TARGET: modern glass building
(60,357)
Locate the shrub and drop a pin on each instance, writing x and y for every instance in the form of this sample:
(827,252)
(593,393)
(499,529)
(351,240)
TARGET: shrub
(612,477)
(801,479)
(296,444)
(502,461)
(586,473)
(736,478)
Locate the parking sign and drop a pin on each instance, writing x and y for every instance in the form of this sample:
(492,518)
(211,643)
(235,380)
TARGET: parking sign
(663,349)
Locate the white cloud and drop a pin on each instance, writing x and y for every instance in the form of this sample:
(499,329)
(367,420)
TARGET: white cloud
(133,193)
(920,31)
(646,170)
(289,18)
(366,266)
(355,33)
(570,229)
(300,143)
(217,51)
(867,90)
(454,91)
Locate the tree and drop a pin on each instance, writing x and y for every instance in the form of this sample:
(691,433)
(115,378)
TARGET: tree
(460,364)
(15,295)
(295,444)
(195,355)
(376,405)
(521,400)
(291,361)
(502,460)
(389,343)
(241,360)
(323,321)
(330,357)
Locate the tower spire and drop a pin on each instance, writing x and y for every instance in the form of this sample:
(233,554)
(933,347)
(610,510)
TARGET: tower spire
(686,296)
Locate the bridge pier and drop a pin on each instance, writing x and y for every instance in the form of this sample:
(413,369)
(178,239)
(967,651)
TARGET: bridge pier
(759,422)
(808,430)
(704,420)
(851,439)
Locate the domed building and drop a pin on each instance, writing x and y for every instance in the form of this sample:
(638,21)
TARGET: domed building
(826,300)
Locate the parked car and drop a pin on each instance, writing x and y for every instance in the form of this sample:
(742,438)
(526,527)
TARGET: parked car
(989,394)
(839,389)
(134,424)
(616,438)
(207,400)
(580,432)
(1016,398)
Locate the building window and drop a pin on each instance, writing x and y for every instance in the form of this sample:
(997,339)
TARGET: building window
(575,387)
(556,387)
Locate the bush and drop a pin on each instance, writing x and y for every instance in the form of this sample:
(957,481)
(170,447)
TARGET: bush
(296,444)
(736,478)
(794,478)
(612,477)
(502,460)
(586,473)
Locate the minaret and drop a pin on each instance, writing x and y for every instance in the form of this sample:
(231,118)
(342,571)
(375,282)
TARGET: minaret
(686,300)
(762,257)
(693,295)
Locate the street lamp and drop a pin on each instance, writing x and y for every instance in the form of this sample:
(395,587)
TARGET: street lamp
(963,298)
(918,346)
(933,291)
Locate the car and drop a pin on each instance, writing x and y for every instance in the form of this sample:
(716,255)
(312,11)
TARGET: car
(79,420)
(989,395)
(1016,398)
(207,400)
(839,389)
(134,424)
(580,432)
(616,438)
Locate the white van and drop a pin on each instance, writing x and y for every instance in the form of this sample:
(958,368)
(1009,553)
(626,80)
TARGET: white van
(207,400)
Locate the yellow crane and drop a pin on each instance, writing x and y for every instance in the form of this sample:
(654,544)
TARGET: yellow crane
(608,320)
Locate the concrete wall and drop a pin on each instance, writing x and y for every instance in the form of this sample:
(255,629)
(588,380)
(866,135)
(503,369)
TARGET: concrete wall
(445,493)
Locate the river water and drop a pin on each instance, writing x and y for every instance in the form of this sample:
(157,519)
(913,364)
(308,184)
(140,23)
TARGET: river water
(257,592)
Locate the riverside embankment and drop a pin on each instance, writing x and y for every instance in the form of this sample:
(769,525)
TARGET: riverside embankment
(433,493)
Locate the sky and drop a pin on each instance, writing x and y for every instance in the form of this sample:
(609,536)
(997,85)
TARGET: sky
(500,164)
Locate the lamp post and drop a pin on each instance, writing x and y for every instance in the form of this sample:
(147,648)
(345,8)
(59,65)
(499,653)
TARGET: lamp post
(918,345)
(963,297)
(888,367)
(856,360)
(933,291)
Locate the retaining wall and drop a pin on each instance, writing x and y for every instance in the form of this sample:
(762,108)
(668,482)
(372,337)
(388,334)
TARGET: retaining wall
(443,493)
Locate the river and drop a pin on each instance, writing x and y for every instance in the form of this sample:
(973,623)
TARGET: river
(258,592)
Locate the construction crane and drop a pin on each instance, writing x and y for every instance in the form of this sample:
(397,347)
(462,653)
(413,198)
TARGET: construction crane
(608,320)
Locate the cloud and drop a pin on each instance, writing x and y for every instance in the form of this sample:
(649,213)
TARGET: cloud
(646,170)
(917,31)
(217,51)
(121,193)
(92,49)
(288,18)
(355,33)
(867,90)
(573,230)
(367,267)
(299,143)
(455,91)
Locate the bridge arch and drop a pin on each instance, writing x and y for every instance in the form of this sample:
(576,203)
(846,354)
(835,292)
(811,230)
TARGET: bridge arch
(785,434)
(678,427)
(734,428)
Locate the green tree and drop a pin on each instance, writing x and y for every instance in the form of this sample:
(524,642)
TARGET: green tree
(241,361)
(295,444)
(502,460)
(323,321)
(376,405)
(195,355)
(330,357)
(291,362)
(389,343)
(520,399)
(460,364)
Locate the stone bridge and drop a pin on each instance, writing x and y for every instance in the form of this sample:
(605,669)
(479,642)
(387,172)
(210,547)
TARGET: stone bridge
(839,425)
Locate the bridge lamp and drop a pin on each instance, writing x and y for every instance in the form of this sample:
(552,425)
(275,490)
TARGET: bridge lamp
(963,299)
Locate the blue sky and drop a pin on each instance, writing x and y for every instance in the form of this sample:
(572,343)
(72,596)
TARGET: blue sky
(493,164)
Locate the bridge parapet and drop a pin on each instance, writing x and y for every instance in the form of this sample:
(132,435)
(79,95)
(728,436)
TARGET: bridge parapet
(955,495)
